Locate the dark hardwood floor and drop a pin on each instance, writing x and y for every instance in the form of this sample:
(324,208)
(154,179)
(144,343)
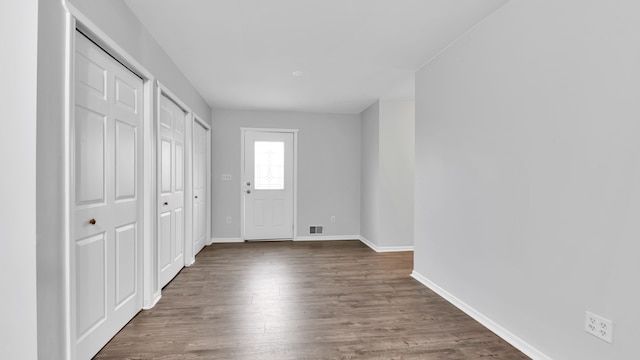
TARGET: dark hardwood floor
(303,300)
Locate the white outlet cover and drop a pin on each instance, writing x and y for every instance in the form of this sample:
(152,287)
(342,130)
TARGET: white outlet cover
(599,327)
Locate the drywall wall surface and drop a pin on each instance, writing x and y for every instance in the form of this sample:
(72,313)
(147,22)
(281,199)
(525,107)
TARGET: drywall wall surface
(18,71)
(118,21)
(328,169)
(370,173)
(527,173)
(396,163)
(50,177)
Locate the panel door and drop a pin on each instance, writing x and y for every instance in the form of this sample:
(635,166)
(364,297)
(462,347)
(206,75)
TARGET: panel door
(171,234)
(268,185)
(106,235)
(200,181)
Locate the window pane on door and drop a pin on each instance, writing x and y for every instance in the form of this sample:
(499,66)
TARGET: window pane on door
(269,165)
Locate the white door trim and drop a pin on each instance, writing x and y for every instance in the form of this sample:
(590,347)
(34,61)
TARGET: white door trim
(77,20)
(243,131)
(188,179)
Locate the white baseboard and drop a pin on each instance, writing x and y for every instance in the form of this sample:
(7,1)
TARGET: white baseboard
(496,328)
(327,237)
(382,249)
(153,302)
(226,240)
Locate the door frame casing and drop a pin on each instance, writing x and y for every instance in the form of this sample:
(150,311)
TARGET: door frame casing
(76,20)
(197,120)
(294,132)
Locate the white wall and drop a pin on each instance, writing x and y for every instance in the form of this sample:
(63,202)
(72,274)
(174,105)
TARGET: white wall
(18,65)
(397,147)
(387,163)
(328,169)
(527,173)
(370,169)
(118,22)
(50,181)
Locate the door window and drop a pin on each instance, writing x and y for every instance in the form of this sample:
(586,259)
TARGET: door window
(269,165)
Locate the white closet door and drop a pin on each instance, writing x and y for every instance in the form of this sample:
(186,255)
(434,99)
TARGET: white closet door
(171,188)
(106,250)
(200,181)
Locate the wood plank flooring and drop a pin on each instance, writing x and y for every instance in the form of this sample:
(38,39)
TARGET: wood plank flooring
(303,300)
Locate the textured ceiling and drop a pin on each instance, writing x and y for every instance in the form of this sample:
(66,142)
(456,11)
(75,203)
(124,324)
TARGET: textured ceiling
(241,54)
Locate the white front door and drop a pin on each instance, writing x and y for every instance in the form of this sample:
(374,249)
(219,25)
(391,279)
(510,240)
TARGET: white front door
(106,250)
(268,185)
(200,186)
(171,190)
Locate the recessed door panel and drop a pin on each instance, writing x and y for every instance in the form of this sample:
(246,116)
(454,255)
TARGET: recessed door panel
(179,120)
(165,240)
(126,263)
(179,167)
(126,96)
(91,75)
(90,156)
(91,283)
(125,161)
(278,212)
(178,247)
(165,166)
(166,117)
(258,210)
(196,221)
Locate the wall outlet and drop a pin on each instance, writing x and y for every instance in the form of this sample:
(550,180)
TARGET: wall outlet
(226,177)
(228,219)
(333,219)
(599,327)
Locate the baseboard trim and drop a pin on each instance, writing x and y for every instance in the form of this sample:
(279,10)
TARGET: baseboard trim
(226,240)
(382,249)
(153,302)
(327,237)
(496,328)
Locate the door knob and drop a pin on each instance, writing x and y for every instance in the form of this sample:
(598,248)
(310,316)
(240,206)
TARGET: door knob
(92,221)
(248,183)
(196,196)
(248,191)
(166,203)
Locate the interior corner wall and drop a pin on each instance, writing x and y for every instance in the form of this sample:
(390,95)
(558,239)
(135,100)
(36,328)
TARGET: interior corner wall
(370,169)
(18,278)
(396,173)
(328,169)
(527,173)
(387,174)
(118,22)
